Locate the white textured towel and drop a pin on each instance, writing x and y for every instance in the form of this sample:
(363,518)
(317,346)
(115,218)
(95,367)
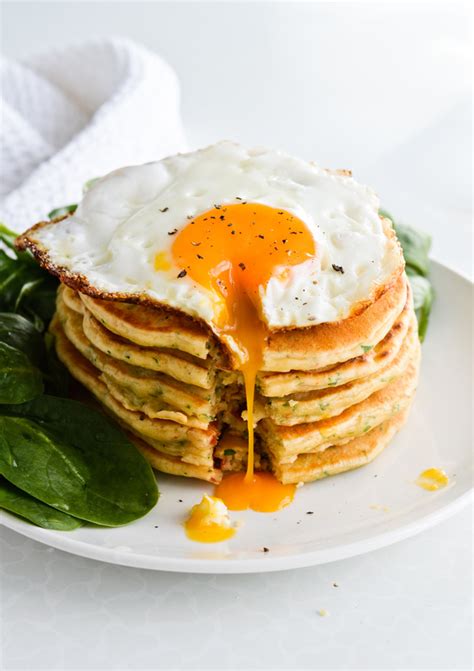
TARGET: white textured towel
(72,114)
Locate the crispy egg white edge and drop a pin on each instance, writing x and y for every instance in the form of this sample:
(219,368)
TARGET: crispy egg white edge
(126,217)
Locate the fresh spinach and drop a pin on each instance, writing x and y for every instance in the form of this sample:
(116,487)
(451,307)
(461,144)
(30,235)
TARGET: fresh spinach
(69,456)
(25,506)
(18,332)
(416,246)
(57,378)
(422,299)
(62,211)
(25,288)
(20,380)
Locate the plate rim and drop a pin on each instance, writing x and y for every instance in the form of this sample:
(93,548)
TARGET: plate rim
(265,563)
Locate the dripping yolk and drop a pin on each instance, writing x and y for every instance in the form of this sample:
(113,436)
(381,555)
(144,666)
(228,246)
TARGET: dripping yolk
(263,492)
(208,521)
(432,479)
(233,251)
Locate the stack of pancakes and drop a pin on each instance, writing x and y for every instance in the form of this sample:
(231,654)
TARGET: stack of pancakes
(329,397)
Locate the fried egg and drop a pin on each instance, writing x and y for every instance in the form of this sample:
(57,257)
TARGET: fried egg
(129,234)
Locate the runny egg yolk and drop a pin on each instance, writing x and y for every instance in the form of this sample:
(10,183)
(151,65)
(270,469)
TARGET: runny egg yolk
(432,479)
(233,251)
(208,521)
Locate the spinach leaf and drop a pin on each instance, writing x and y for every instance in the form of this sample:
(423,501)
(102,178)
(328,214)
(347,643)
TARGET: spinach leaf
(62,211)
(57,378)
(416,246)
(8,237)
(18,332)
(70,457)
(20,381)
(24,505)
(25,288)
(423,295)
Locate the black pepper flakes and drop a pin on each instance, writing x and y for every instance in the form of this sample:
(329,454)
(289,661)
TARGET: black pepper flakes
(266,549)
(309,512)
(175,230)
(242,265)
(199,256)
(338,269)
(262,237)
(165,209)
(181,274)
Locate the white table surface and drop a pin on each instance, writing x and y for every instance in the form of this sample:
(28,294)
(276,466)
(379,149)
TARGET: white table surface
(383,89)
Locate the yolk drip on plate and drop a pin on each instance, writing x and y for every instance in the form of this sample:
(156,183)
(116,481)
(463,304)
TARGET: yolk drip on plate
(208,521)
(233,251)
(432,479)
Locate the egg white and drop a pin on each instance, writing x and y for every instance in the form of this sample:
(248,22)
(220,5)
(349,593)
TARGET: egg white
(126,217)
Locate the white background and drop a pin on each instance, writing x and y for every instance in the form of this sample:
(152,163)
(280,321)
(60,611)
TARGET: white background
(383,89)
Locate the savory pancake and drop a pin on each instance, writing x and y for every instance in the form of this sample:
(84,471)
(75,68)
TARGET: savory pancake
(151,327)
(194,445)
(71,298)
(287,442)
(340,458)
(293,382)
(334,342)
(181,421)
(178,365)
(137,383)
(316,405)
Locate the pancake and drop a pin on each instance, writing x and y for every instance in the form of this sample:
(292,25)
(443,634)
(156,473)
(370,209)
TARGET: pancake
(151,327)
(180,366)
(71,298)
(137,383)
(337,459)
(316,405)
(194,445)
(287,442)
(299,452)
(283,384)
(295,349)
(174,465)
(334,342)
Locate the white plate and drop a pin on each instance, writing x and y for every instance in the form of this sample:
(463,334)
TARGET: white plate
(354,512)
